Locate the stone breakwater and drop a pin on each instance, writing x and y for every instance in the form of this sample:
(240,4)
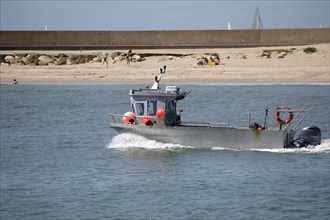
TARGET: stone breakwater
(36,59)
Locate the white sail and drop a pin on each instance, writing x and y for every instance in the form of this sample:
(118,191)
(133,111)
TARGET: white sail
(257,23)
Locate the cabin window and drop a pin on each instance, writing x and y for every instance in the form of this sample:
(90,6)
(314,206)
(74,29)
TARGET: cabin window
(139,108)
(152,107)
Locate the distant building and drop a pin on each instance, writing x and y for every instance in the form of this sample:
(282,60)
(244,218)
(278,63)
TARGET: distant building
(257,23)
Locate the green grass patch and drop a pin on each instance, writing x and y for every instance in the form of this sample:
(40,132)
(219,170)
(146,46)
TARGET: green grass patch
(310,50)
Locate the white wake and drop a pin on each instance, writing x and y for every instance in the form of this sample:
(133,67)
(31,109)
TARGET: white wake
(127,141)
(324,147)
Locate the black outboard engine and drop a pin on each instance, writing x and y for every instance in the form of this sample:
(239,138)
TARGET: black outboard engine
(309,136)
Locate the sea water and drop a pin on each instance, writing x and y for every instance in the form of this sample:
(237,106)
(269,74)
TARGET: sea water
(60,160)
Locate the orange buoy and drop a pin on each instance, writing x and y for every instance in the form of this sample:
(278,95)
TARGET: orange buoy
(281,121)
(129,118)
(147,121)
(160,113)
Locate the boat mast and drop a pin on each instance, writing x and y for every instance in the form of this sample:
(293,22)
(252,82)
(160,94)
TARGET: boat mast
(266,116)
(257,23)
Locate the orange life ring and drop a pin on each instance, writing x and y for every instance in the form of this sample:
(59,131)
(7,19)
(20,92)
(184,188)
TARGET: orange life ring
(278,119)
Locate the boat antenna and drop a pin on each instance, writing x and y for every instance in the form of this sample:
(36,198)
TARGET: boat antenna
(158,78)
(266,115)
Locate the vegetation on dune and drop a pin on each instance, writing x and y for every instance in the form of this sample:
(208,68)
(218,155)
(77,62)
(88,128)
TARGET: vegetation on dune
(310,50)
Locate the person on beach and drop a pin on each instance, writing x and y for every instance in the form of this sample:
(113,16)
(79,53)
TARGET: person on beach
(217,60)
(203,61)
(104,59)
(128,58)
(15,82)
(214,61)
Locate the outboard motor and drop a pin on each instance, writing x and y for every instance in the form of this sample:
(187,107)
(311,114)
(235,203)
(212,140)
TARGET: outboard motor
(309,136)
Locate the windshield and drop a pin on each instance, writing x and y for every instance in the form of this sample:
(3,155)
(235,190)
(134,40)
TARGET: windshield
(139,108)
(152,107)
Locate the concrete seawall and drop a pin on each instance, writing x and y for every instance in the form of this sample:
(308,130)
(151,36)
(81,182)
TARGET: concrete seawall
(59,40)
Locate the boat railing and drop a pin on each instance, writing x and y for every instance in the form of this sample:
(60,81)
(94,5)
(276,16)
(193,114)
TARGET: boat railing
(206,123)
(118,119)
(301,115)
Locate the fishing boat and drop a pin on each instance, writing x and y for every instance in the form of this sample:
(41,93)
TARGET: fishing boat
(154,115)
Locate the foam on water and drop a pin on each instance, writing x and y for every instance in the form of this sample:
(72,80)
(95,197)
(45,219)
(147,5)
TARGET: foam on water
(324,147)
(127,141)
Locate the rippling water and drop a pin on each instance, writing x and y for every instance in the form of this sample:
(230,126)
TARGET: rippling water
(59,159)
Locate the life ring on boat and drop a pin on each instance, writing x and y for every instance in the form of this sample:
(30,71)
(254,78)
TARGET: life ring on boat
(279,120)
(147,121)
(129,118)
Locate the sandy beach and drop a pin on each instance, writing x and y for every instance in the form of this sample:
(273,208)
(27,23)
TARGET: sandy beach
(238,65)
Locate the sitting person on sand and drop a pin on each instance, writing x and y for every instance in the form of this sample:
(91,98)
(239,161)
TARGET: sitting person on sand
(203,61)
(208,62)
(211,62)
(217,60)
(214,61)
(200,61)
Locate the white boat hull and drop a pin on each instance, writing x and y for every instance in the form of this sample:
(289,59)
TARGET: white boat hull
(208,137)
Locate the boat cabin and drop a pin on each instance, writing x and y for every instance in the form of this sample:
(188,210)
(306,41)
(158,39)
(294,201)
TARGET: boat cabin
(154,105)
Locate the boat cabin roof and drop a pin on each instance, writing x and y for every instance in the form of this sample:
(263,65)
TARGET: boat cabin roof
(146,102)
(170,93)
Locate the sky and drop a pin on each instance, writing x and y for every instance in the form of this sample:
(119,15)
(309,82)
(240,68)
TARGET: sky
(160,15)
